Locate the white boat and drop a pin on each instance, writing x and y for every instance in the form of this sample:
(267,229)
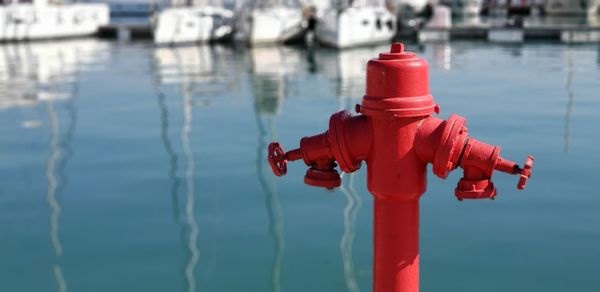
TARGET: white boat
(42,20)
(262,22)
(193,23)
(464,7)
(348,25)
(571,7)
(579,36)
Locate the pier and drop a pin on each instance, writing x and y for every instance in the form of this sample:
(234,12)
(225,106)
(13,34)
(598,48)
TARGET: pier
(126,31)
(563,33)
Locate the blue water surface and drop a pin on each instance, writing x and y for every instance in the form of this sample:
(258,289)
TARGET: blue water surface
(125,167)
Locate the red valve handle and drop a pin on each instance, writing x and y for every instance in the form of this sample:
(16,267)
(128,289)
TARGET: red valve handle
(277,159)
(525,173)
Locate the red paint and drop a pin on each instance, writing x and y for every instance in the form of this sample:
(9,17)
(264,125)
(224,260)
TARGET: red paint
(397,137)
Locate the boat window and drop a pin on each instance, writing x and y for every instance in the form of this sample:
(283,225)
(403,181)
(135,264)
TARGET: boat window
(79,18)
(365,22)
(389,24)
(8,2)
(378,24)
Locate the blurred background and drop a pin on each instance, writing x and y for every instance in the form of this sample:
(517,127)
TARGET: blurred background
(133,143)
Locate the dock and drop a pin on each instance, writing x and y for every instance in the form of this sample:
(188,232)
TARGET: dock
(562,33)
(126,31)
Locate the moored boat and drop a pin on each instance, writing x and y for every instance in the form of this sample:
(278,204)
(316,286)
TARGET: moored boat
(571,7)
(41,19)
(267,22)
(192,23)
(349,24)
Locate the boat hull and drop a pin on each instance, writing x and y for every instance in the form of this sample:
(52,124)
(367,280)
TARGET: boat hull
(19,22)
(193,25)
(270,25)
(566,7)
(356,26)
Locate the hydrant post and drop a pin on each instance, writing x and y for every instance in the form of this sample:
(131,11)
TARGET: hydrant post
(397,136)
(396,245)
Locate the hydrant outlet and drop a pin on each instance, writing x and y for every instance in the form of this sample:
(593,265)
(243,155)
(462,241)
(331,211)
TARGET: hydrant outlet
(479,160)
(451,143)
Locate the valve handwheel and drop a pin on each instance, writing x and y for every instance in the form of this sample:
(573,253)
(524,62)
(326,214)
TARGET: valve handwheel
(277,159)
(525,173)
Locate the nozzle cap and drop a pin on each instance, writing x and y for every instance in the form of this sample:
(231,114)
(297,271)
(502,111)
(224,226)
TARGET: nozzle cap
(475,189)
(327,178)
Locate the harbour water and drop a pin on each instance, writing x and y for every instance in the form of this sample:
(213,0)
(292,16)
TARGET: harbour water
(125,167)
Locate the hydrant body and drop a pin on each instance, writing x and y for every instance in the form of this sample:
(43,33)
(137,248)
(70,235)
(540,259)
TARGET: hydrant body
(397,137)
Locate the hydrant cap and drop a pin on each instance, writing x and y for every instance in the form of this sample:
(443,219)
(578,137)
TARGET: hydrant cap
(398,83)
(396,52)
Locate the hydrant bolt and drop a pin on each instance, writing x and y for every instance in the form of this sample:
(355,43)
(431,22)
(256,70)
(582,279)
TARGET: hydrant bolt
(395,134)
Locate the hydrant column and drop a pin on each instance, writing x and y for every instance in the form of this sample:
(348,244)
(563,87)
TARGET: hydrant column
(396,245)
(397,99)
(396,207)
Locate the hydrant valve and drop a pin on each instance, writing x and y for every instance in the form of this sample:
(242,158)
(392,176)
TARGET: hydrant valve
(322,171)
(525,173)
(277,159)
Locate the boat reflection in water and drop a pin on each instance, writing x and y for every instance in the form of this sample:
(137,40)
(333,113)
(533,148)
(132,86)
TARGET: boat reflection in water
(570,101)
(55,176)
(194,71)
(270,69)
(350,212)
(442,55)
(45,75)
(198,70)
(345,69)
(198,74)
(598,57)
(44,71)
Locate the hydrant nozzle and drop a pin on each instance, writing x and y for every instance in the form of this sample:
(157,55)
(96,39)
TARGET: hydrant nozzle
(478,161)
(397,136)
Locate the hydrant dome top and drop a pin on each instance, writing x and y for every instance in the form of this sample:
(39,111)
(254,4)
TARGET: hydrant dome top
(398,84)
(396,53)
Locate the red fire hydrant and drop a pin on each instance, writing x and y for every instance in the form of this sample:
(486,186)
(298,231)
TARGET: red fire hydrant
(397,137)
